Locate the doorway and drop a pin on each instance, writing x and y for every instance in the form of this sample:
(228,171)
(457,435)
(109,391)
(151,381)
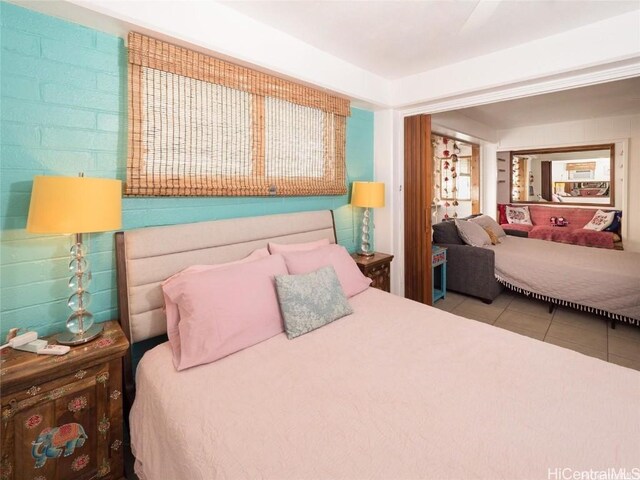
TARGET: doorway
(456,178)
(441,180)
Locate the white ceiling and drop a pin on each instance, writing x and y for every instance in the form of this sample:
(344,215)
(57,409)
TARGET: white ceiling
(394,39)
(391,35)
(603,100)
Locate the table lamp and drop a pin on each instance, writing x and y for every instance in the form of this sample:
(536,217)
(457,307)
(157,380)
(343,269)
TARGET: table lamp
(76,205)
(367,195)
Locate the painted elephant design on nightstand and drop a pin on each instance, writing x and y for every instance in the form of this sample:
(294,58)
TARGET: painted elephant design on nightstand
(53,441)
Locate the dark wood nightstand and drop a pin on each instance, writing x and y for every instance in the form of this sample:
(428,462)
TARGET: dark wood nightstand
(62,415)
(377,268)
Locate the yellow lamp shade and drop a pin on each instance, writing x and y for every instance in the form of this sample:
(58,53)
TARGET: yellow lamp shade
(74,205)
(367,194)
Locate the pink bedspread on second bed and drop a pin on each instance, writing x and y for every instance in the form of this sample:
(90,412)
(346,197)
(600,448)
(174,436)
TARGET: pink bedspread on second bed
(573,236)
(397,390)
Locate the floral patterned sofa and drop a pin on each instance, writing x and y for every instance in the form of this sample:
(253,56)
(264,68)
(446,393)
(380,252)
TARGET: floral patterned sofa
(573,232)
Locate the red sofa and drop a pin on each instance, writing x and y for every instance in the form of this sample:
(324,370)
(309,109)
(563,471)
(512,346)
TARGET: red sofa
(573,233)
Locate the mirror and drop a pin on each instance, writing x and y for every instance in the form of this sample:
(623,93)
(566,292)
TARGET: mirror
(570,175)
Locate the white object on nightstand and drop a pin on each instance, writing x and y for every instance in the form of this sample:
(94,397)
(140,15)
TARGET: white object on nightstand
(21,340)
(54,350)
(32,347)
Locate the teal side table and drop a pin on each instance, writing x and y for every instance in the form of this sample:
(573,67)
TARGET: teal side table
(439,272)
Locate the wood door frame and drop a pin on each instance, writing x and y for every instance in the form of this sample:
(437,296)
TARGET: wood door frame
(546,181)
(418,192)
(418,195)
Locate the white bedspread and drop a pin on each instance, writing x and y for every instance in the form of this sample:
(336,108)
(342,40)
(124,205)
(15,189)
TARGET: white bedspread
(607,280)
(397,390)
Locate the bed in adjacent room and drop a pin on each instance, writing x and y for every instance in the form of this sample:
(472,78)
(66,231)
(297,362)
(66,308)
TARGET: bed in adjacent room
(395,390)
(606,282)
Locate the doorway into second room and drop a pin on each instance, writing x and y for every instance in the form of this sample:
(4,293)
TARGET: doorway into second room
(456,178)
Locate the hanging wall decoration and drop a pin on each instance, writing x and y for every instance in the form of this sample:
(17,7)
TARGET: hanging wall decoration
(447,172)
(454,159)
(202,126)
(515,178)
(454,180)
(437,179)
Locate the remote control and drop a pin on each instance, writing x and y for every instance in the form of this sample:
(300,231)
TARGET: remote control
(54,350)
(32,347)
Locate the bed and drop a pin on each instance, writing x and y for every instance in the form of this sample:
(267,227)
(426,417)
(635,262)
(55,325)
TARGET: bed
(395,390)
(606,282)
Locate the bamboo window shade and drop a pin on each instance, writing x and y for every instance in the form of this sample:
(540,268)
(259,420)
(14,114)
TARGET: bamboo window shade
(201,126)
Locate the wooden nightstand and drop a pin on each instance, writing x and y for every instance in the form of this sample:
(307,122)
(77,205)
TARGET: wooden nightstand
(377,268)
(62,415)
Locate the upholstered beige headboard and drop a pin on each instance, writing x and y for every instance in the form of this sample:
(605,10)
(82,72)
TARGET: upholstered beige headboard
(148,256)
(145,257)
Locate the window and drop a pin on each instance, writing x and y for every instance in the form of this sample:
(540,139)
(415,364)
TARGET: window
(202,126)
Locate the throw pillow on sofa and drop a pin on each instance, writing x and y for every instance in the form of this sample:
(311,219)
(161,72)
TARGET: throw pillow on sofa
(446,233)
(518,215)
(472,233)
(486,222)
(492,236)
(615,225)
(600,221)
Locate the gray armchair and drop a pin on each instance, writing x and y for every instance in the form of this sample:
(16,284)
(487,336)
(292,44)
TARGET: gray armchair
(470,270)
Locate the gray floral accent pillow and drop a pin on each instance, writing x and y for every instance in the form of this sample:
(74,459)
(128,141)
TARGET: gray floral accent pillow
(311,300)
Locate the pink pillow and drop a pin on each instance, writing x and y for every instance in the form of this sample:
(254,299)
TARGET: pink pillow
(171,308)
(351,278)
(297,247)
(216,319)
(255,255)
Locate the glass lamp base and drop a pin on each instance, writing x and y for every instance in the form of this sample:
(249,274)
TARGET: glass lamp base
(366,254)
(69,338)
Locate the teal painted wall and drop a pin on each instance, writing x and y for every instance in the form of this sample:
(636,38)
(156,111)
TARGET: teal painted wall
(63,102)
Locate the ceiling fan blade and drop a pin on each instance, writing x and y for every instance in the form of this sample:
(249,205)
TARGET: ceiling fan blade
(481,14)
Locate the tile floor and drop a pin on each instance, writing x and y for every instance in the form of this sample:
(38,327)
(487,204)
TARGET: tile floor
(580,331)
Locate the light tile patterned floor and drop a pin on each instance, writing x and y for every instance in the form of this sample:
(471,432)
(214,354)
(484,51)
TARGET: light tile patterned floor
(580,331)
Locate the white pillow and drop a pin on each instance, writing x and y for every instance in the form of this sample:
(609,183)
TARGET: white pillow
(485,221)
(472,233)
(600,221)
(518,215)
